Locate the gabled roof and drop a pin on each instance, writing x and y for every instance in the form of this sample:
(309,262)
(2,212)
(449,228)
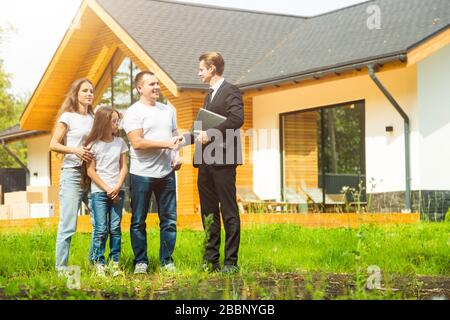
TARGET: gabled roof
(263,47)
(260,49)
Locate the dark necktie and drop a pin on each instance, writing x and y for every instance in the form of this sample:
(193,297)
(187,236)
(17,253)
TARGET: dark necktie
(209,97)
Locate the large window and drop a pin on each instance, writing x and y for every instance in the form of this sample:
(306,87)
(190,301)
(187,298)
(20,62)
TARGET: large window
(323,155)
(120,93)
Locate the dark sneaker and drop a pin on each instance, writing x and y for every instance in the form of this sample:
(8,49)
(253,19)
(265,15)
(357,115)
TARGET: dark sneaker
(230,269)
(211,267)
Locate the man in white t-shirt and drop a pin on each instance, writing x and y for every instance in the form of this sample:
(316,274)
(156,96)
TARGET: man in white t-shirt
(152,131)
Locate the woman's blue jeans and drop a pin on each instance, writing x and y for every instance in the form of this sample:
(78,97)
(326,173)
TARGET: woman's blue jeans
(70,197)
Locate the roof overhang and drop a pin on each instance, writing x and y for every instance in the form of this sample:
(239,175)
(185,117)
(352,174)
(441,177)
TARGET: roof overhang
(428,46)
(16,134)
(322,72)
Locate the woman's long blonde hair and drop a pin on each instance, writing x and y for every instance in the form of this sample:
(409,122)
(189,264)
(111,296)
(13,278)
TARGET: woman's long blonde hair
(102,120)
(71,104)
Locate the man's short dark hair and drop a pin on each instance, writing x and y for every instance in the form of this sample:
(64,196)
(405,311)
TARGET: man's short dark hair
(140,76)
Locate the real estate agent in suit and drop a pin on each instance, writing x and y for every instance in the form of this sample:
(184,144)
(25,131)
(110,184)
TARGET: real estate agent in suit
(217,154)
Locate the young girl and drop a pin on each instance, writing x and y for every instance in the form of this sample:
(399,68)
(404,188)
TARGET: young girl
(108,171)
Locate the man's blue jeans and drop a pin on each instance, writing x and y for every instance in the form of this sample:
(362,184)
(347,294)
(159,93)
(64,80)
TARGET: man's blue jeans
(165,193)
(107,219)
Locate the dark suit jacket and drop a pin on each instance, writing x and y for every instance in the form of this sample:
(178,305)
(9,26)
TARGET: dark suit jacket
(228,103)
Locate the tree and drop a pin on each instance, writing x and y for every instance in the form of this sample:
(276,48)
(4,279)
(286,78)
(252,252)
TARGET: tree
(10,110)
(343,145)
(123,89)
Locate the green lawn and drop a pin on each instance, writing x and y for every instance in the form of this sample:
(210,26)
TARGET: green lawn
(277,253)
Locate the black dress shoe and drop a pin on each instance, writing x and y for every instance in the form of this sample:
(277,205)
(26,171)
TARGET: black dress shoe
(211,267)
(230,269)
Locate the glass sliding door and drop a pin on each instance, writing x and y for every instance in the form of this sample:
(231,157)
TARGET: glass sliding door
(323,156)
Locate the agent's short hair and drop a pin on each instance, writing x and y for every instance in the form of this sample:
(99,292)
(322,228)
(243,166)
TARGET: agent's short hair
(139,77)
(213,58)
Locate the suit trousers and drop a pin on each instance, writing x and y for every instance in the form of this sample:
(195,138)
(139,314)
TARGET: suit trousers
(217,190)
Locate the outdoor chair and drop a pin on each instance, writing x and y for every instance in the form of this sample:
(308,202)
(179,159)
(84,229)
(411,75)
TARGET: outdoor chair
(294,198)
(335,202)
(248,201)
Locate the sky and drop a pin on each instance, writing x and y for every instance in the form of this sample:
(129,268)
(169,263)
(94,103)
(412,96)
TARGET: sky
(39,26)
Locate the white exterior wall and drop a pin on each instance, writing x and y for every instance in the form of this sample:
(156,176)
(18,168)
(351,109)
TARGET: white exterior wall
(38,160)
(433,78)
(385,158)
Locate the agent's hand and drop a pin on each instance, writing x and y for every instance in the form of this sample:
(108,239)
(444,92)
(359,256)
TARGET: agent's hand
(84,153)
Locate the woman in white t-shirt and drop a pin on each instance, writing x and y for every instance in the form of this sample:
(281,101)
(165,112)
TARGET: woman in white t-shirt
(108,171)
(74,123)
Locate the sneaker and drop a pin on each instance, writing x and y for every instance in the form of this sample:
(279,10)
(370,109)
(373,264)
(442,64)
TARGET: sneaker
(230,269)
(140,268)
(115,269)
(100,270)
(211,267)
(170,267)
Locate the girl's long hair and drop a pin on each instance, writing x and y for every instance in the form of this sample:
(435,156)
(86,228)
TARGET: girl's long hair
(101,130)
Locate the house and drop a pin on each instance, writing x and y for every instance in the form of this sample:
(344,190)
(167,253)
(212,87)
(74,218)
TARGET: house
(357,96)
(18,179)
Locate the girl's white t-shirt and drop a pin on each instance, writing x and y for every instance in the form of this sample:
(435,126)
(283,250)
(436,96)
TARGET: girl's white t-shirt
(78,128)
(107,161)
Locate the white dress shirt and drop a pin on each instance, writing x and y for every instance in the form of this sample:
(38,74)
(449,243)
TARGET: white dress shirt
(216,87)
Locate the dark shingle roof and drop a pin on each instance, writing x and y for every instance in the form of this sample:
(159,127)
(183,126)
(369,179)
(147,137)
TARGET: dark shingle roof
(260,47)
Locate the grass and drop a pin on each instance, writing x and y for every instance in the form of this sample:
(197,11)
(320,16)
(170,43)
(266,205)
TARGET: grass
(274,259)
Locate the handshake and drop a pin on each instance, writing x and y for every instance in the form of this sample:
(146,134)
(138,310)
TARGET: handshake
(178,141)
(175,143)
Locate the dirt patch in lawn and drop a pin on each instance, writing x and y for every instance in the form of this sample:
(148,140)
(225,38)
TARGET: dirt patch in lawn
(286,286)
(294,286)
